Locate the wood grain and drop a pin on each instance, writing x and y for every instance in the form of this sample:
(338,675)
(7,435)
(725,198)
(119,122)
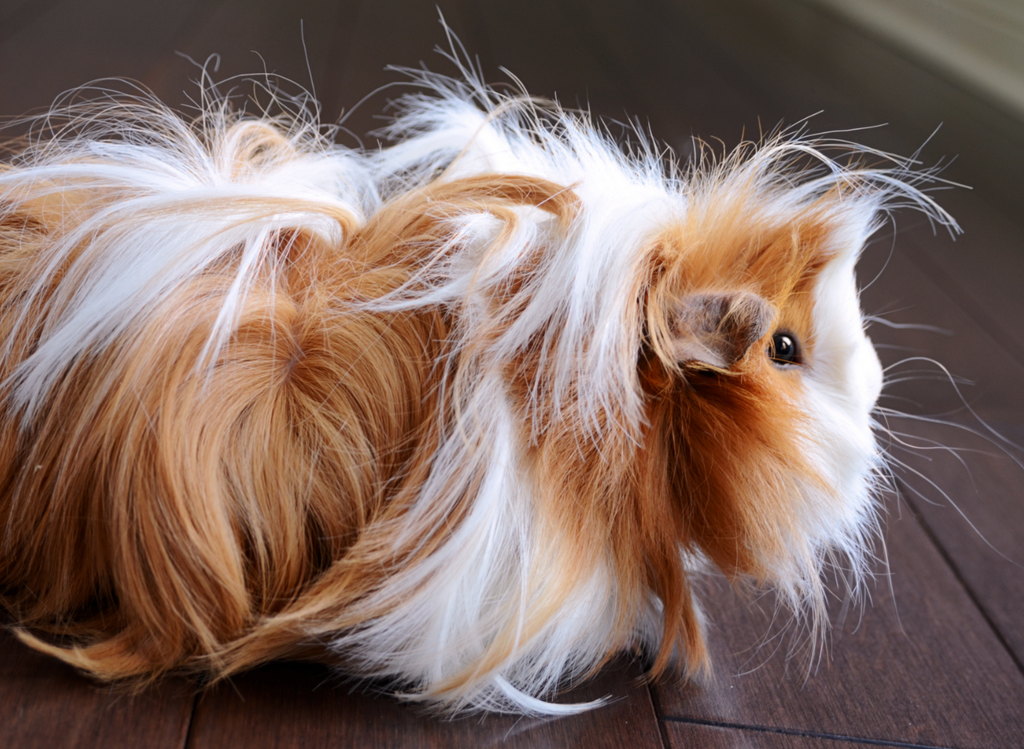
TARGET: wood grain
(973,507)
(44,704)
(16,14)
(808,60)
(939,341)
(376,34)
(292,705)
(686,735)
(919,664)
(982,270)
(75,42)
(290,42)
(678,81)
(965,478)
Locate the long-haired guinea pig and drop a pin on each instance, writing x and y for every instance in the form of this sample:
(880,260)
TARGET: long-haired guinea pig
(472,411)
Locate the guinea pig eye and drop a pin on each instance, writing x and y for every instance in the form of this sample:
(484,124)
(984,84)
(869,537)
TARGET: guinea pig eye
(784,348)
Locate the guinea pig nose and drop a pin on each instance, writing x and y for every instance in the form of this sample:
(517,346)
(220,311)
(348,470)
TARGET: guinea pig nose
(873,375)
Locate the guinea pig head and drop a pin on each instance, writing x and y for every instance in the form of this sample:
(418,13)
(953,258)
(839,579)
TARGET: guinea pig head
(760,384)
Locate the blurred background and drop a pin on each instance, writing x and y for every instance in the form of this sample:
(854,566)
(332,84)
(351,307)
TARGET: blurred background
(936,658)
(715,69)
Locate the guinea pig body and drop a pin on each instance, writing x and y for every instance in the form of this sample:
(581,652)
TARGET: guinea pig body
(472,411)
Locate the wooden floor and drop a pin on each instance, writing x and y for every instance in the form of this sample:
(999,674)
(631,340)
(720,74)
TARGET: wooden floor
(935,659)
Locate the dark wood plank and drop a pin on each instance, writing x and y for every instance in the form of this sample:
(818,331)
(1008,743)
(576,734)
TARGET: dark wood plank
(44,704)
(970,497)
(980,473)
(971,505)
(16,14)
(73,43)
(548,47)
(338,49)
(982,270)
(686,735)
(920,665)
(381,33)
(292,705)
(989,376)
(289,41)
(809,59)
(670,74)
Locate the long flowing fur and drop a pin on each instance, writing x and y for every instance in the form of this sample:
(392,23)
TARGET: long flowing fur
(471,412)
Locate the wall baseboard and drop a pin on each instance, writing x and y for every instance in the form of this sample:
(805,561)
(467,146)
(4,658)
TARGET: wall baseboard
(978,44)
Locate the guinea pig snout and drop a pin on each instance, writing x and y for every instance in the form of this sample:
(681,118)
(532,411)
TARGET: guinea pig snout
(873,374)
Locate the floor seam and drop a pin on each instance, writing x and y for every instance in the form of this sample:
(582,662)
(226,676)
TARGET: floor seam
(799,732)
(905,495)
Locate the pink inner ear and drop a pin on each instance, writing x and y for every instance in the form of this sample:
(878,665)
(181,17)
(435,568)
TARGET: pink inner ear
(718,328)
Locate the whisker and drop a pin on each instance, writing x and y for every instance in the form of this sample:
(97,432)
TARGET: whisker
(1003,448)
(908,326)
(970,409)
(949,499)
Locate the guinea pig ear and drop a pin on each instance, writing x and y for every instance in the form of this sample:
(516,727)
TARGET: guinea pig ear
(716,329)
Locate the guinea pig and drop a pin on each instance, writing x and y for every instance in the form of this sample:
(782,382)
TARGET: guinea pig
(473,412)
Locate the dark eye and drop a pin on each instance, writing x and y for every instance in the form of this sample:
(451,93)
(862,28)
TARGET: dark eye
(784,348)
